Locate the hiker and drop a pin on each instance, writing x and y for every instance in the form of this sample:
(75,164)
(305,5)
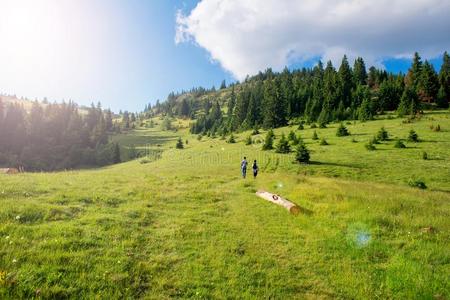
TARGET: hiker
(255,169)
(244,167)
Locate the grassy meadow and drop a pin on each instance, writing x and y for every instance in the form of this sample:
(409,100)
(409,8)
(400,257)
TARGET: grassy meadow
(184,224)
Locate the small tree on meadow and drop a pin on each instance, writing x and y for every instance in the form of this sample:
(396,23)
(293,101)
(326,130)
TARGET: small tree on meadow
(179,144)
(370,146)
(382,134)
(342,130)
(399,144)
(323,142)
(413,136)
(283,145)
(231,139)
(291,136)
(302,153)
(248,140)
(268,142)
(315,136)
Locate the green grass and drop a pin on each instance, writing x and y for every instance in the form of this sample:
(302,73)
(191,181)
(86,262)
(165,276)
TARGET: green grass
(187,225)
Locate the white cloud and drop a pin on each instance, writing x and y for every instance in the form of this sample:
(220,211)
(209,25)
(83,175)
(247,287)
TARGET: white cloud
(246,36)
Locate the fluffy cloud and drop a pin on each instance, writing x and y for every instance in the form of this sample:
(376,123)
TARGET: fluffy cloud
(246,36)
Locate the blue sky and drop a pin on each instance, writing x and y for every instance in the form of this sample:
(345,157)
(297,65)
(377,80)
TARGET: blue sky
(124,53)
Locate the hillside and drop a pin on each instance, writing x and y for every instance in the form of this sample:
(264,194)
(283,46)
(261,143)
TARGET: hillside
(184,224)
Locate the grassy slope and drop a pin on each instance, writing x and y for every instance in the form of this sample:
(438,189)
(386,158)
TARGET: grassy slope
(188,226)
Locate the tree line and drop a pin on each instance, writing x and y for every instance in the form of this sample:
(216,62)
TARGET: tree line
(55,136)
(321,94)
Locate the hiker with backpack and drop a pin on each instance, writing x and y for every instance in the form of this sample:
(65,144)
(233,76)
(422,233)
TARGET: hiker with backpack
(244,167)
(255,169)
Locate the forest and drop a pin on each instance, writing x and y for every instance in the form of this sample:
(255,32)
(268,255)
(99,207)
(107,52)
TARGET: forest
(321,94)
(55,136)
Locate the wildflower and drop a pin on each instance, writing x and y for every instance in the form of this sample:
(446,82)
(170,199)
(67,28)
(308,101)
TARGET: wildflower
(17,217)
(14,261)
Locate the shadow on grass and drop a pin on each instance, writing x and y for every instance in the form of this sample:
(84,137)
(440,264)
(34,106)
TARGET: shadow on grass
(321,163)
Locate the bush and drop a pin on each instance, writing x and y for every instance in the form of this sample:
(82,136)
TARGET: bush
(301,127)
(370,146)
(417,183)
(424,155)
(199,137)
(179,144)
(248,140)
(413,136)
(291,136)
(313,125)
(255,130)
(231,139)
(283,145)
(382,134)
(437,128)
(323,142)
(354,140)
(342,130)
(302,154)
(315,136)
(399,144)
(268,142)
(322,125)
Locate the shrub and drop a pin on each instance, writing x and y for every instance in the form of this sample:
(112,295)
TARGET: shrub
(313,125)
(302,153)
(322,125)
(179,144)
(437,128)
(283,145)
(301,127)
(323,142)
(315,136)
(413,136)
(199,137)
(424,155)
(268,141)
(399,144)
(370,146)
(382,134)
(417,183)
(354,140)
(248,140)
(342,130)
(231,139)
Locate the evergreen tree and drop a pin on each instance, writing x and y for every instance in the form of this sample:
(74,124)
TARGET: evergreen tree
(108,120)
(428,85)
(399,144)
(268,141)
(415,72)
(302,153)
(231,139)
(283,145)
(179,144)
(442,99)
(342,130)
(389,95)
(248,140)
(409,103)
(116,154)
(413,136)
(346,81)
(359,72)
(315,136)
(223,85)
(444,77)
(382,134)
(323,142)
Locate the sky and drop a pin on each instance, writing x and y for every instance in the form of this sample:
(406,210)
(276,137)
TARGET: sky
(127,53)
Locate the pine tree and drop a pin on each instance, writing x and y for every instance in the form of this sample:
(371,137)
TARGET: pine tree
(399,144)
(231,139)
(323,142)
(223,85)
(415,71)
(302,153)
(444,80)
(382,134)
(342,130)
(413,136)
(292,136)
(179,144)
(345,80)
(268,141)
(315,136)
(428,85)
(283,145)
(442,99)
(359,72)
(409,103)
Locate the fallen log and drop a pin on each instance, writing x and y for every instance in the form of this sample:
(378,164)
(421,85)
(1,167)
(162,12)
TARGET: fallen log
(291,207)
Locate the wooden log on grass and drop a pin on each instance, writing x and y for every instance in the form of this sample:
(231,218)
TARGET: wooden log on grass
(276,199)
